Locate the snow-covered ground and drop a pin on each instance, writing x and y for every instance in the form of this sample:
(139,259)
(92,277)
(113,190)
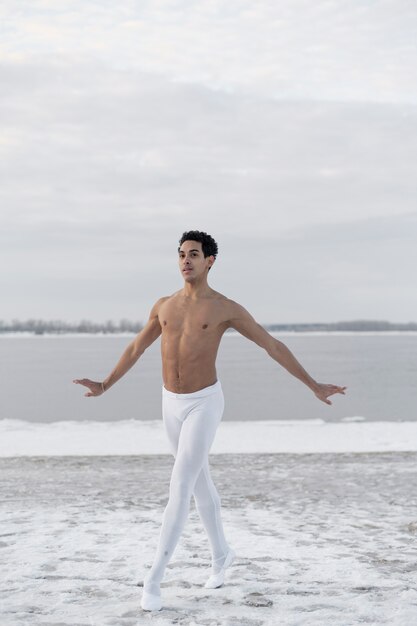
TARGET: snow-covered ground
(321,538)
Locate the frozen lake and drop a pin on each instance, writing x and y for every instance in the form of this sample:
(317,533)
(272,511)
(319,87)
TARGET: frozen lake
(379,370)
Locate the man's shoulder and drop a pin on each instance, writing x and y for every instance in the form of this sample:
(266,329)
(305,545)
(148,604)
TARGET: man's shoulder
(160,302)
(164,299)
(220,297)
(231,306)
(226,303)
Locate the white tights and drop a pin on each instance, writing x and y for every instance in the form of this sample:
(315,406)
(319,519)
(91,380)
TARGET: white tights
(191,421)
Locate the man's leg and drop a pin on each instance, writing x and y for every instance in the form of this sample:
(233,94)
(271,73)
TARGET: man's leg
(208,505)
(207,499)
(195,439)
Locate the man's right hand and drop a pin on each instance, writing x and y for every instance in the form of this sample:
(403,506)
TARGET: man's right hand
(94,387)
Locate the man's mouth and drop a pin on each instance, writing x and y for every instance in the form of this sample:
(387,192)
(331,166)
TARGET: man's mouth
(187,269)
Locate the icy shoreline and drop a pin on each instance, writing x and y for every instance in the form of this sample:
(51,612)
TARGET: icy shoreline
(135,437)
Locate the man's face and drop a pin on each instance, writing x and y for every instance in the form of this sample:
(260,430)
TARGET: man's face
(192,262)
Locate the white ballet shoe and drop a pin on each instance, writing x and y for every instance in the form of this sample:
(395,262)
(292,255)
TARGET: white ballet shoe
(216,580)
(150,602)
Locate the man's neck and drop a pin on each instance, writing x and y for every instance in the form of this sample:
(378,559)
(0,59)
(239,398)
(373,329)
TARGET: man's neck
(197,289)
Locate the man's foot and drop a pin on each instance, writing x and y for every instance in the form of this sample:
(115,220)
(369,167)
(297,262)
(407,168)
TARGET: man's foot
(150,602)
(217,579)
(151,595)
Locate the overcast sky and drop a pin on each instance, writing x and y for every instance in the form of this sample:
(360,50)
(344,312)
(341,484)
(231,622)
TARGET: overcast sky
(287,129)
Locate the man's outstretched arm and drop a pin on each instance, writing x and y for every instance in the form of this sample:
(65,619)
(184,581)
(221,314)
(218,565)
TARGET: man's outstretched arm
(149,333)
(242,321)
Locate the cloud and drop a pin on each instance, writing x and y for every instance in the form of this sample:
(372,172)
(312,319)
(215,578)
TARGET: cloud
(84,142)
(286,130)
(347,50)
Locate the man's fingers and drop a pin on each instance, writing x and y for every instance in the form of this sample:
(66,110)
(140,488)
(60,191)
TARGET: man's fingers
(83,381)
(336,389)
(325,400)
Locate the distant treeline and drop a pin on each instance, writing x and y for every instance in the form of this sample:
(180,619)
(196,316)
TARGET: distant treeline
(356,325)
(39,327)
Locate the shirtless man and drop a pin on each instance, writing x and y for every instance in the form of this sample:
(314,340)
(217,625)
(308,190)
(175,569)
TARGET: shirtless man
(191,323)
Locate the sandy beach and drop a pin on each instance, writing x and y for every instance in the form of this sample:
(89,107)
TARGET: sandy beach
(320,539)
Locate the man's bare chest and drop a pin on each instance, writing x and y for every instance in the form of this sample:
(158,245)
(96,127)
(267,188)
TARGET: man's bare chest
(194,319)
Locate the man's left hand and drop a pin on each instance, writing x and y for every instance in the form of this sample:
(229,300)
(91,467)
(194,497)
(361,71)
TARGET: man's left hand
(322,391)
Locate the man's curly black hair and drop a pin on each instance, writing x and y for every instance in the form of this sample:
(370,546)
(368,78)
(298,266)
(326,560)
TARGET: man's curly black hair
(208,244)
